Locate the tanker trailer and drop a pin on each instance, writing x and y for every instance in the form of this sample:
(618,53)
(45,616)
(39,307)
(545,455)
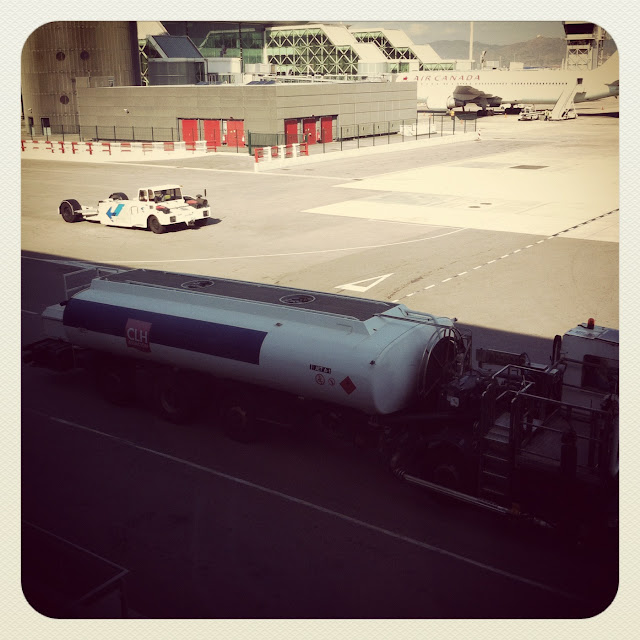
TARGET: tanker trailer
(257,345)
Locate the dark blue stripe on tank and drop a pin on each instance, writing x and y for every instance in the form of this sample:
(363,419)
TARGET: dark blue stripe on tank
(211,338)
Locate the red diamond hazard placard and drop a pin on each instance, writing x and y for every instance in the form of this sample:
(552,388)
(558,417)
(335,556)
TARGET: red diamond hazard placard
(348,386)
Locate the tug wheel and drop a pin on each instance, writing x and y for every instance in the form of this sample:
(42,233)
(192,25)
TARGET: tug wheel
(68,210)
(155,225)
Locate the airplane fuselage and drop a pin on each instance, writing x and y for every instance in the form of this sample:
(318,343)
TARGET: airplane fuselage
(446,89)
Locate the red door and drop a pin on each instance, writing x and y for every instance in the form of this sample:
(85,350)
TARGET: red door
(326,124)
(309,130)
(291,131)
(189,130)
(235,133)
(212,132)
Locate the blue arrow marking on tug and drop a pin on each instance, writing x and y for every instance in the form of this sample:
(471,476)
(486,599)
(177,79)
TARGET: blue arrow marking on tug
(113,214)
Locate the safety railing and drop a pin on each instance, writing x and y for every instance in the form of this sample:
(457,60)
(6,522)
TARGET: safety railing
(369,134)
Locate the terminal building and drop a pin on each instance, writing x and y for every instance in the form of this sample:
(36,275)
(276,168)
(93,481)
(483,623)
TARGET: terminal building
(217,85)
(219,81)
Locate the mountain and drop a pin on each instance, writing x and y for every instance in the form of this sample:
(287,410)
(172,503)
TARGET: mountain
(538,52)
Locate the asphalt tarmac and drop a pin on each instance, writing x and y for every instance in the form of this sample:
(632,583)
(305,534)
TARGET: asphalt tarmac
(515,234)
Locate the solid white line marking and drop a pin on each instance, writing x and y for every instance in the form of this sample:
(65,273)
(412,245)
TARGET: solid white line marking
(315,507)
(281,255)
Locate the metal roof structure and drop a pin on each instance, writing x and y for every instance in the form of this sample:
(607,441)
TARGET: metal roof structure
(398,49)
(175,46)
(319,49)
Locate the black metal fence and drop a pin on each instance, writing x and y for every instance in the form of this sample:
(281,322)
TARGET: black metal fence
(372,134)
(352,136)
(104,133)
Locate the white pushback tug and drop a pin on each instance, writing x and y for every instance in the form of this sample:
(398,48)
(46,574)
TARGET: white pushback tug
(155,208)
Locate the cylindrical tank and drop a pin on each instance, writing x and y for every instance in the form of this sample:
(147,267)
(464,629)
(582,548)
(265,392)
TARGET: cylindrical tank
(55,55)
(371,365)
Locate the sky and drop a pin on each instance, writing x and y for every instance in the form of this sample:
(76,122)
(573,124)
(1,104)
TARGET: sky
(483,31)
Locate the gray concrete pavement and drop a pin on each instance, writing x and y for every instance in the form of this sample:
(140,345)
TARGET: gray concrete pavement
(473,229)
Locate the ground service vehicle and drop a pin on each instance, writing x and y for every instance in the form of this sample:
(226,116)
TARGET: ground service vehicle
(508,435)
(529,113)
(154,208)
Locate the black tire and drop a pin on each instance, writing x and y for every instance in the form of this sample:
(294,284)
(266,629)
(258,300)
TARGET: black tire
(116,381)
(448,473)
(118,195)
(155,225)
(68,210)
(238,422)
(445,467)
(174,401)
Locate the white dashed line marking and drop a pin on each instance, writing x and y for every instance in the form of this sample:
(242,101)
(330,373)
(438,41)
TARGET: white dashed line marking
(529,246)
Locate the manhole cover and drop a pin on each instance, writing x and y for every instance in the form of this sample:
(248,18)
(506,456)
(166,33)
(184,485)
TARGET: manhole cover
(197,284)
(299,298)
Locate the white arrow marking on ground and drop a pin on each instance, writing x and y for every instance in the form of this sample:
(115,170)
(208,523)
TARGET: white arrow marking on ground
(356,286)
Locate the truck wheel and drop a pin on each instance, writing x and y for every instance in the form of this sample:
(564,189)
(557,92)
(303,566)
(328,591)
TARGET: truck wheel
(155,225)
(239,423)
(68,210)
(173,400)
(118,195)
(446,468)
(116,382)
(448,473)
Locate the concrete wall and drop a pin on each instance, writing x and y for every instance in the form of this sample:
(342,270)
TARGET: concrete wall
(263,108)
(58,53)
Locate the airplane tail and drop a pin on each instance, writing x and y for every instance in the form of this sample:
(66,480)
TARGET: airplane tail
(609,72)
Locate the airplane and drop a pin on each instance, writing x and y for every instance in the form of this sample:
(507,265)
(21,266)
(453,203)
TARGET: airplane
(445,90)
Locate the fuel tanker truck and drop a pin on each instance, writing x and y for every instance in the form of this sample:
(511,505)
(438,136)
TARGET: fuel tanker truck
(509,435)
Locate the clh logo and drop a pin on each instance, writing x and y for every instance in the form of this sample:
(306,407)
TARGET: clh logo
(137,334)
(115,212)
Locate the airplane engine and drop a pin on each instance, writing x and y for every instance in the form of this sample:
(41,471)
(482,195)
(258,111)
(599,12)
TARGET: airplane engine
(442,102)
